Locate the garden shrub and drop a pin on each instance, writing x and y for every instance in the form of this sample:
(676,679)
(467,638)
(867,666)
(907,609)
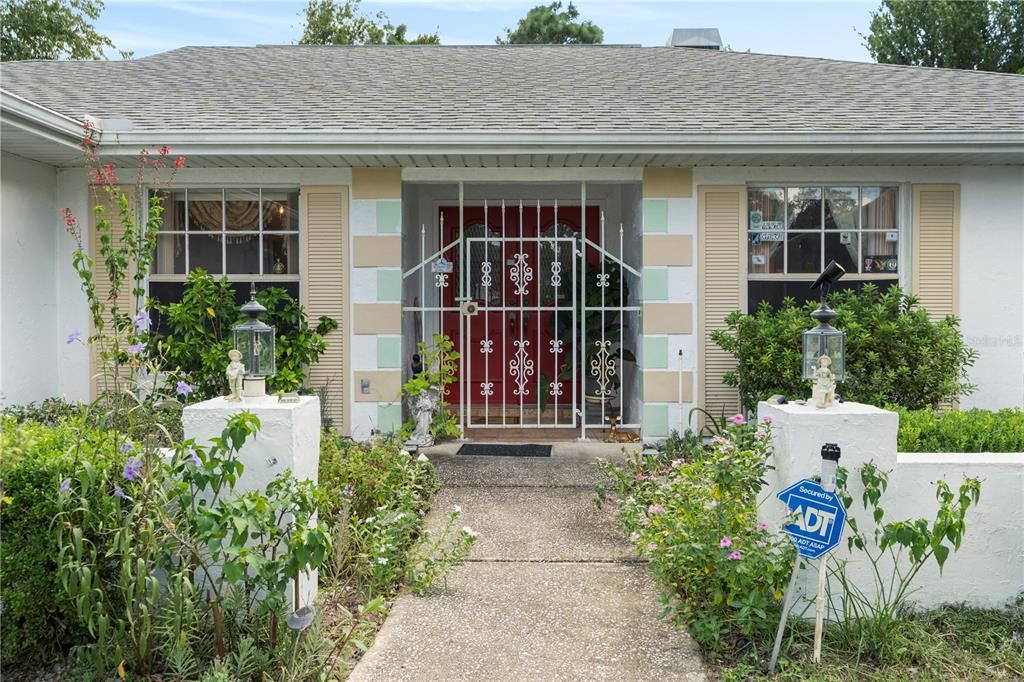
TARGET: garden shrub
(972,430)
(37,616)
(693,514)
(194,334)
(894,353)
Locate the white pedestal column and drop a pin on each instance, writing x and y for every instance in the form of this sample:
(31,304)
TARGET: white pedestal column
(289,438)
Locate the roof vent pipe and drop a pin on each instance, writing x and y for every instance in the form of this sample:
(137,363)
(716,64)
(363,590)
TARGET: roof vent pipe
(700,38)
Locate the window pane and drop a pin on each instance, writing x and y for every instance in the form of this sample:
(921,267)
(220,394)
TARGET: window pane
(204,251)
(804,252)
(280,210)
(174,210)
(242,207)
(170,255)
(881,252)
(243,254)
(204,211)
(842,248)
(766,255)
(804,208)
(766,208)
(281,254)
(841,209)
(878,208)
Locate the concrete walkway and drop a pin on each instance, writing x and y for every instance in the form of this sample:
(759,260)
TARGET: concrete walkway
(550,592)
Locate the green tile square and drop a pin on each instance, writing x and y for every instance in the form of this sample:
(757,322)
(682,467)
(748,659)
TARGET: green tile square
(389,285)
(655,282)
(655,352)
(389,417)
(655,215)
(389,352)
(389,217)
(655,424)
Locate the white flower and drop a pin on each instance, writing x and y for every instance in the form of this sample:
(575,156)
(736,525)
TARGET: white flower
(422,458)
(403,451)
(470,532)
(456,509)
(382,560)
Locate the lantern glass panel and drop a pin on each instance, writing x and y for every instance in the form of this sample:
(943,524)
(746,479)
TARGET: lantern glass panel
(255,340)
(824,340)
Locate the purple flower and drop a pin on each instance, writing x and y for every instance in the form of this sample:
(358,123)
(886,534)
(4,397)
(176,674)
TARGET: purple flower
(65,485)
(183,389)
(725,542)
(74,336)
(136,348)
(132,468)
(760,433)
(142,321)
(127,447)
(194,458)
(119,492)
(655,509)
(348,491)
(735,556)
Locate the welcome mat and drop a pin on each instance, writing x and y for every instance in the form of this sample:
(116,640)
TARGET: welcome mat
(504,450)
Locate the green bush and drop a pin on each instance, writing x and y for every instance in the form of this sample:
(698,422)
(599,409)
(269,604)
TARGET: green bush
(894,353)
(961,431)
(693,514)
(38,617)
(196,334)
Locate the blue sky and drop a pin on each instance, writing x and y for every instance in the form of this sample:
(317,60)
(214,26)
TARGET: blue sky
(819,28)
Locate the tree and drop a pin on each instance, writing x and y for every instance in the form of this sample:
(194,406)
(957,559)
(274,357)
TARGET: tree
(976,35)
(330,22)
(548,24)
(52,29)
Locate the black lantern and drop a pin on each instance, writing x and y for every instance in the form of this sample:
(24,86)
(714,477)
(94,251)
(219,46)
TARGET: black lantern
(825,340)
(255,340)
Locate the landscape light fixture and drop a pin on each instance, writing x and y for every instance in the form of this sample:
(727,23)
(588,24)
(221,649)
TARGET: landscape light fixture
(255,340)
(825,340)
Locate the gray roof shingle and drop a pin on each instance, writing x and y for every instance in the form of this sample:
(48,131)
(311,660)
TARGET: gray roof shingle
(539,88)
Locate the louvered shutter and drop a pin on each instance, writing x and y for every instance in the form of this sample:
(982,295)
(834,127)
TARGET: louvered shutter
(101,376)
(325,292)
(936,245)
(722,289)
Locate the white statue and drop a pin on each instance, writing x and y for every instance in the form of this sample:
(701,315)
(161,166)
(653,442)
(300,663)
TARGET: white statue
(824,392)
(235,373)
(422,407)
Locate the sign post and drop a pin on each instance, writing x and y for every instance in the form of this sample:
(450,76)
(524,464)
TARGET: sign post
(817,529)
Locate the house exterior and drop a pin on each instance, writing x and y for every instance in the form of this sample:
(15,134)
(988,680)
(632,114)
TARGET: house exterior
(475,192)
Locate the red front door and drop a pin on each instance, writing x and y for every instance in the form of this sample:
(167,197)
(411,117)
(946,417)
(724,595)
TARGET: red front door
(518,264)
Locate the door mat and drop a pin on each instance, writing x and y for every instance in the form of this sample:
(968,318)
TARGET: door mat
(504,450)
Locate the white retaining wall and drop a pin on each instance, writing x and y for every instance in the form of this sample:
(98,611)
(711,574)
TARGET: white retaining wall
(988,569)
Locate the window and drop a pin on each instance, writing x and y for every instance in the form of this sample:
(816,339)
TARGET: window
(249,232)
(793,231)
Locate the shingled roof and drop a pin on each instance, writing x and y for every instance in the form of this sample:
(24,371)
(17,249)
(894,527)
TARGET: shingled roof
(527,89)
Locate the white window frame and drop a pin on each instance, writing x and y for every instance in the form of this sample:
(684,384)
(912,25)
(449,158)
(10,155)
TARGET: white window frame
(223,188)
(902,249)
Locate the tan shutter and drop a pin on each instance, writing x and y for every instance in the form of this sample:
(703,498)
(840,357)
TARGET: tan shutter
(722,288)
(936,269)
(325,292)
(101,377)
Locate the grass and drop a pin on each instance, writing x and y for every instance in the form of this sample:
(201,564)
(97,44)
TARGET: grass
(950,643)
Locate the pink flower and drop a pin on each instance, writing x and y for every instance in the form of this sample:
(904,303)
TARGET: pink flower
(639,477)
(713,505)
(725,542)
(655,509)
(760,433)
(762,526)
(760,543)
(767,419)
(651,547)
(179,162)
(738,420)
(735,556)
(165,150)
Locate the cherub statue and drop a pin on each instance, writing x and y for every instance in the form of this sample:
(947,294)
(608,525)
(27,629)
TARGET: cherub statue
(235,372)
(422,407)
(824,391)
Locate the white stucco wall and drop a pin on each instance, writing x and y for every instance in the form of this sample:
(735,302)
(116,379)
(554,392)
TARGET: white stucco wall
(988,569)
(29,332)
(991,256)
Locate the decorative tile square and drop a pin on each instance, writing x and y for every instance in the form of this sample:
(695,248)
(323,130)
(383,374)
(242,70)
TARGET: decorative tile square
(389,217)
(389,285)
(655,215)
(389,352)
(389,417)
(655,352)
(655,423)
(655,282)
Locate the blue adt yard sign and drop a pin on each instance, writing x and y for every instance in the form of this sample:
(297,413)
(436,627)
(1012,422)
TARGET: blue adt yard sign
(820,518)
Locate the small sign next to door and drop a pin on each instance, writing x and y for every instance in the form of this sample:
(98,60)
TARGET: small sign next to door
(441,265)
